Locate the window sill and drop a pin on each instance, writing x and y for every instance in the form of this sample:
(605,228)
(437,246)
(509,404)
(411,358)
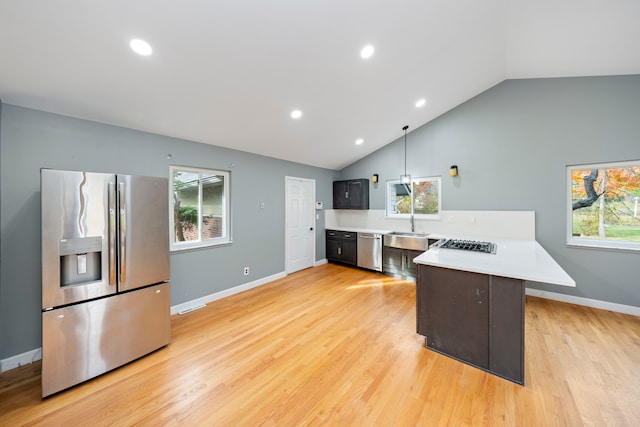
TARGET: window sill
(603,246)
(197,247)
(415,217)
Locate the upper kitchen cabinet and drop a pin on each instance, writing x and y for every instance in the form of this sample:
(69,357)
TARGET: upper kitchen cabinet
(351,194)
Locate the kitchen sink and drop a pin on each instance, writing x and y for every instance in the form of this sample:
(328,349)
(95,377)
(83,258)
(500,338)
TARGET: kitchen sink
(407,240)
(408,234)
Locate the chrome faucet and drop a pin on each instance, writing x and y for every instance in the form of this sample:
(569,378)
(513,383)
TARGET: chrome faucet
(413,228)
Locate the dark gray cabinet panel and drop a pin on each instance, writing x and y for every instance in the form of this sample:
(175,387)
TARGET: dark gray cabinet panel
(340,190)
(392,260)
(350,250)
(351,194)
(399,263)
(342,247)
(507,343)
(475,318)
(457,314)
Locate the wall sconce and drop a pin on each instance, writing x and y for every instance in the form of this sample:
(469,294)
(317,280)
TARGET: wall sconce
(374,178)
(454,170)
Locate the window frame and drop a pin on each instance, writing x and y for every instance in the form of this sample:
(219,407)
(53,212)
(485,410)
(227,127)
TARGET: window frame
(225,239)
(388,214)
(594,243)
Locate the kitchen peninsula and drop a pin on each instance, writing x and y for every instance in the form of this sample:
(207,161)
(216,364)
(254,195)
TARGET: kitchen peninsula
(470,305)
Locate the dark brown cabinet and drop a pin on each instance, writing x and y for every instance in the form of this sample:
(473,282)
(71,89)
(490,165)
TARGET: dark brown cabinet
(472,317)
(342,247)
(399,263)
(351,194)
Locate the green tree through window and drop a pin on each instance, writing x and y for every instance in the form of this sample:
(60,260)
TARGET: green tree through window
(420,197)
(604,205)
(200,208)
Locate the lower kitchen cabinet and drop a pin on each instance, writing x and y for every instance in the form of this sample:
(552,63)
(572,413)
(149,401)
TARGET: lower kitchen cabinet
(472,317)
(342,247)
(399,263)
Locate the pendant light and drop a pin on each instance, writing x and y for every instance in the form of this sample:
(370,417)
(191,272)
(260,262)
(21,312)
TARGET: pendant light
(405,178)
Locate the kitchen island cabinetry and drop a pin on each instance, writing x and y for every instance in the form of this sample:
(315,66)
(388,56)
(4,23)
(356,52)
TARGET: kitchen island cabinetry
(351,194)
(342,247)
(472,317)
(470,305)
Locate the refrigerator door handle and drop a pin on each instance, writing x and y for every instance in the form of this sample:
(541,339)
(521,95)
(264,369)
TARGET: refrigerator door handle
(122,233)
(112,232)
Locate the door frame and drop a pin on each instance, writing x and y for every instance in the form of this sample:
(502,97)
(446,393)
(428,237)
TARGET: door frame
(286,220)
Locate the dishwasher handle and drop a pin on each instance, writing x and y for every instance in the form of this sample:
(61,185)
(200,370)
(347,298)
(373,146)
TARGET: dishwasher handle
(370,236)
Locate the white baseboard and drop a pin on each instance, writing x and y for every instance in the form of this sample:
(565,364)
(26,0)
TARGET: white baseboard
(225,293)
(594,303)
(36,354)
(20,359)
(318,263)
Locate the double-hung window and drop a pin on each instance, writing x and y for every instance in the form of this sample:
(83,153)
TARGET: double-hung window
(199,208)
(421,197)
(603,205)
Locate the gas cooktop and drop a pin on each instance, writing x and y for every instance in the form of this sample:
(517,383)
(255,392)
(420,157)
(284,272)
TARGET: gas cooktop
(468,245)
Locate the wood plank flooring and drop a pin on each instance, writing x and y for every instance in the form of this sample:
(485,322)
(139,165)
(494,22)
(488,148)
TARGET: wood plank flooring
(336,346)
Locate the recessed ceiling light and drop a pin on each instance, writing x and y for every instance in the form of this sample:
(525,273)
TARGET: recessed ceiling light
(296,114)
(421,103)
(367,51)
(359,141)
(140,47)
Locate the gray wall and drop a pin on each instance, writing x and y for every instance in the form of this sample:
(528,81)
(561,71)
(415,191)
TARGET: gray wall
(31,140)
(511,144)
(2,333)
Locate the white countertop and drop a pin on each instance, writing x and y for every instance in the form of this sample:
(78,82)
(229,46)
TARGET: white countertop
(360,230)
(518,259)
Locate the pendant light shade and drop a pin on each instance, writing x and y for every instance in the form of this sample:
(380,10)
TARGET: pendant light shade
(405,178)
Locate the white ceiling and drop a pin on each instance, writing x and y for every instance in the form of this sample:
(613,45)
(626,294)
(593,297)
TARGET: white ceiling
(228,73)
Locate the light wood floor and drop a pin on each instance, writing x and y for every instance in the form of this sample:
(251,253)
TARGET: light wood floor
(337,346)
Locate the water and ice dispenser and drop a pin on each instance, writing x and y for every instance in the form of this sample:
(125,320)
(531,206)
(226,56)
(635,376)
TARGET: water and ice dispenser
(80,260)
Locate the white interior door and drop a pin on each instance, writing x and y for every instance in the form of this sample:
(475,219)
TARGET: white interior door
(300,223)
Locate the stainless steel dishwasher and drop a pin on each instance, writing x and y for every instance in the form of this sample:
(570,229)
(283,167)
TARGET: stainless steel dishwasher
(370,251)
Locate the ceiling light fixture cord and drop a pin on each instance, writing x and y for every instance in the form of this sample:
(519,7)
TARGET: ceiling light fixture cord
(405,179)
(405,148)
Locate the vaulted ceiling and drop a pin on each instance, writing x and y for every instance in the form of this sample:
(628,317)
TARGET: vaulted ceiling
(229,73)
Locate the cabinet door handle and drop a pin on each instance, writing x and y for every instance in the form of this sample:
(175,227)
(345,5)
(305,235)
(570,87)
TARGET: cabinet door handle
(346,195)
(339,251)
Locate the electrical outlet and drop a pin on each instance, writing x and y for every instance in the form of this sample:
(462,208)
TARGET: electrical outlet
(245,271)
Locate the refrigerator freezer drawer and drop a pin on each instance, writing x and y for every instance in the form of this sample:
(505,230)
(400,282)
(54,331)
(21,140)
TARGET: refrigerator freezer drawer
(85,340)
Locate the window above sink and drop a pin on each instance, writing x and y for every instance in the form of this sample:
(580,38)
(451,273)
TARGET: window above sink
(420,198)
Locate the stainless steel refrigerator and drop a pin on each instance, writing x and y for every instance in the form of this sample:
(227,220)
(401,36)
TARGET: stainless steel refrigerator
(105,273)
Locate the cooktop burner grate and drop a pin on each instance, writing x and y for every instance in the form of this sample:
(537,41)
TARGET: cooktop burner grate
(469,245)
